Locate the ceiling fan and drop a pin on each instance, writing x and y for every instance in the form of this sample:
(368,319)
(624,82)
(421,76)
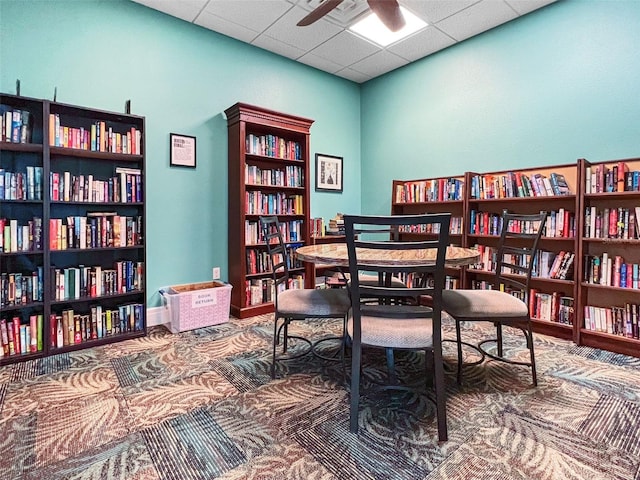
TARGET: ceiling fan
(388,11)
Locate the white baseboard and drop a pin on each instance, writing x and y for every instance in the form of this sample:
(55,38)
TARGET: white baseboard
(157,316)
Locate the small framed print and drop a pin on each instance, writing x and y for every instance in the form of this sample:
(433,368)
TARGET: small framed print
(328,173)
(182,150)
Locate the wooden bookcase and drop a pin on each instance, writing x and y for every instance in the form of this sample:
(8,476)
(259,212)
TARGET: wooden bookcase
(603,237)
(269,173)
(485,197)
(434,195)
(79,264)
(559,239)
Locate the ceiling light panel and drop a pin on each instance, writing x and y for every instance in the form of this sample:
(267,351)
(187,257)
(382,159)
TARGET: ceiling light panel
(371,28)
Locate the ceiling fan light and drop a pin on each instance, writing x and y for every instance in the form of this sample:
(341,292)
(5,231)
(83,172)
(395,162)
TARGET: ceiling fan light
(371,28)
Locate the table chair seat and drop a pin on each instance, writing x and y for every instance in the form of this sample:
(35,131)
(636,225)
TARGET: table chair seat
(327,302)
(388,332)
(484,304)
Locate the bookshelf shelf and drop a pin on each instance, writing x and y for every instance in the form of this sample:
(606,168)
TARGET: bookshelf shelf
(278,142)
(9,308)
(46,127)
(62,152)
(21,147)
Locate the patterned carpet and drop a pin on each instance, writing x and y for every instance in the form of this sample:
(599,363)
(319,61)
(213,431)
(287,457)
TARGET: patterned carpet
(201,405)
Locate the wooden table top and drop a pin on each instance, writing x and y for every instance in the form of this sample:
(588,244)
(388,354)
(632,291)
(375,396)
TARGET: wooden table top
(336,254)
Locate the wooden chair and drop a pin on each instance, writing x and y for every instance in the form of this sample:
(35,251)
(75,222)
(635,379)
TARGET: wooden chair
(516,253)
(396,320)
(293,304)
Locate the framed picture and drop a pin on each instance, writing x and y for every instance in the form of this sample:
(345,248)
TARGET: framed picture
(328,173)
(182,150)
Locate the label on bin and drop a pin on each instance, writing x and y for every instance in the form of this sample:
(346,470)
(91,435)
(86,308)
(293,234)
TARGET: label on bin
(203,298)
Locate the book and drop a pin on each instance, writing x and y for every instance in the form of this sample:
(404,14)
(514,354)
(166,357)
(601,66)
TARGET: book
(559,184)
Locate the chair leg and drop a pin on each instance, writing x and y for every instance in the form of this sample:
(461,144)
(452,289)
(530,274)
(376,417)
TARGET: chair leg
(459,342)
(276,336)
(533,358)
(391,366)
(441,406)
(499,338)
(343,350)
(356,353)
(428,367)
(285,340)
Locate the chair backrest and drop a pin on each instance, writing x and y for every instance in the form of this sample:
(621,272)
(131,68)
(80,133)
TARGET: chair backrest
(277,252)
(375,237)
(517,249)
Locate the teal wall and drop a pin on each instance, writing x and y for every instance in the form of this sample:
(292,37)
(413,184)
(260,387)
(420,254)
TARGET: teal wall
(181,78)
(558,84)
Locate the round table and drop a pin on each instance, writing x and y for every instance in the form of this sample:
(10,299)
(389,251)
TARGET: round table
(336,254)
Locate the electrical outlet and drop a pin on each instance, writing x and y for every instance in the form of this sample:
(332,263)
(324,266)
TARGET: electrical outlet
(216,273)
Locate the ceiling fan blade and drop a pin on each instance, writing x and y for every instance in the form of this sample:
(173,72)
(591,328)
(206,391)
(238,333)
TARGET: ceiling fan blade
(324,8)
(388,11)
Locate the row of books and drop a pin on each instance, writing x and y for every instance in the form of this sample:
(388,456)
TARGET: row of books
(262,290)
(291,231)
(412,280)
(551,307)
(259,261)
(623,223)
(616,320)
(71,327)
(434,190)
(21,338)
(98,137)
(21,185)
(96,281)
(289,176)
(261,203)
(517,184)
(20,238)
(124,187)
(317,227)
(546,264)
(611,270)
(455,228)
(16,126)
(17,288)
(611,178)
(559,223)
(96,230)
(273,146)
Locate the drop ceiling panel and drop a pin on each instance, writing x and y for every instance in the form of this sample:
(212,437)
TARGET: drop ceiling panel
(476,19)
(352,75)
(345,49)
(185,9)
(256,16)
(424,42)
(433,11)
(230,29)
(526,6)
(276,46)
(379,63)
(320,63)
(285,30)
